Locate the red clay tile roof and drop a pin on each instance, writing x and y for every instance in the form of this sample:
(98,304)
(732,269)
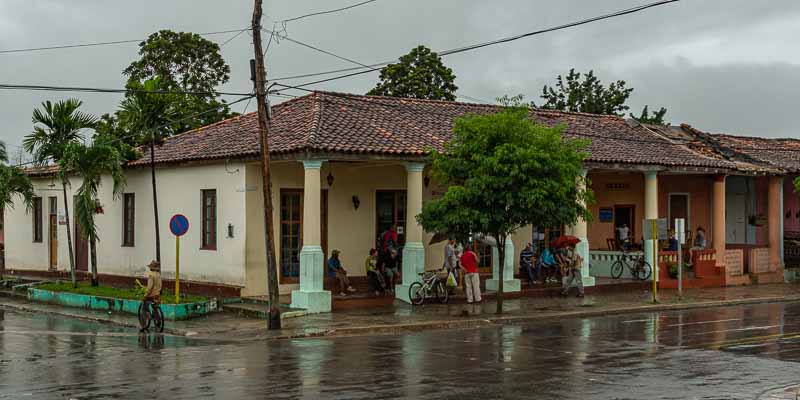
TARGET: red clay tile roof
(781,153)
(346,123)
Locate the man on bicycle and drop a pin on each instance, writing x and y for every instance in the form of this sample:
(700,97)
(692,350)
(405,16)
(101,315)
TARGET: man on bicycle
(152,293)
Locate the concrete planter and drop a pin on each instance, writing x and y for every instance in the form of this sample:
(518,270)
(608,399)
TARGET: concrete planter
(171,311)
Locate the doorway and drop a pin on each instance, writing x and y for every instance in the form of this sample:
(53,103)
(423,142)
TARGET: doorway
(53,232)
(390,210)
(679,208)
(625,214)
(81,244)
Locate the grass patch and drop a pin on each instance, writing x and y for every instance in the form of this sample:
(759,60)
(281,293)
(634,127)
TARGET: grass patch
(167,297)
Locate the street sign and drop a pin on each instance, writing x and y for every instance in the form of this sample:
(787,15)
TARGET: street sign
(680,230)
(179,225)
(662,226)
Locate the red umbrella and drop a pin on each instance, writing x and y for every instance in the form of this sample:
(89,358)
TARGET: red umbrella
(564,241)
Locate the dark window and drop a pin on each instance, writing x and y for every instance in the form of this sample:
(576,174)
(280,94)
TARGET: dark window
(210,219)
(37,220)
(291,232)
(128,215)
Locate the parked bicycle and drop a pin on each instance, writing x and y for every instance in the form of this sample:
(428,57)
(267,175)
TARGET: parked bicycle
(636,265)
(151,315)
(432,286)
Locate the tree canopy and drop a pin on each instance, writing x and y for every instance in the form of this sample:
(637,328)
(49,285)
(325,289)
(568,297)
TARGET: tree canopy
(586,93)
(13,183)
(503,172)
(420,74)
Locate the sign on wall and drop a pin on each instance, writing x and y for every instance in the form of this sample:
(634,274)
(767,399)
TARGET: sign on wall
(734,261)
(606,214)
(759,260)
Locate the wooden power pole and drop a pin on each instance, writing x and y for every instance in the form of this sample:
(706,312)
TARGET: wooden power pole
(260,78)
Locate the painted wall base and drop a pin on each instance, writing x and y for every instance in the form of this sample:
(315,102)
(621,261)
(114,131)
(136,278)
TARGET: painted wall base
(312,268)
(413,264)
(509,285)
(313,302)
(582,248)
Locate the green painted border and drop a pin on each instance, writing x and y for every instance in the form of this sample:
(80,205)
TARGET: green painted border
(171,311)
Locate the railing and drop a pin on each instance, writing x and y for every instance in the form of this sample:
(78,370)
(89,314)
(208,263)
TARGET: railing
(600,262)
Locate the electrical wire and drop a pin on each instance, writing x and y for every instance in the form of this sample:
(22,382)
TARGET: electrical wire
(328,12)
(286,37)
(374,67)
(6,86)
(115,42)
(234,36)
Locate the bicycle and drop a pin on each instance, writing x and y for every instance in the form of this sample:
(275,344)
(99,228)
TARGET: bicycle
(431,286)
(639,269)
(146,317)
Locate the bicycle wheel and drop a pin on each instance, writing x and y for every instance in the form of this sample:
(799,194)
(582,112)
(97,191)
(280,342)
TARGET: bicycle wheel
(416,293)
(158,319)
(644,271)
(616,269)
(441,292)
(144,317)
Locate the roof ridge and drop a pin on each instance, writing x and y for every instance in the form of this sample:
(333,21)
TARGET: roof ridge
(316,120)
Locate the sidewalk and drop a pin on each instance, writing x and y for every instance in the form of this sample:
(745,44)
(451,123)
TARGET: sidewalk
(400,317)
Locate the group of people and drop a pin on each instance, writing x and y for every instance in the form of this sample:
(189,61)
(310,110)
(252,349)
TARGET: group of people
(462,263)
(551,265)
(382,265)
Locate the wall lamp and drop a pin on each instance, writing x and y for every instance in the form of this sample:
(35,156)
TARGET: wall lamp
(356,202)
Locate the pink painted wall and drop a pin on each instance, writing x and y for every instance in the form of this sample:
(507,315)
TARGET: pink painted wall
(699,189)
(791,205)
(631,195)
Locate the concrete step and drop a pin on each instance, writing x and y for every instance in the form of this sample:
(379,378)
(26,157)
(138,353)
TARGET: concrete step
(259,310)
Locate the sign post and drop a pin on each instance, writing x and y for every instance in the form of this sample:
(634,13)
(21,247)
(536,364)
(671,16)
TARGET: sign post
(659,231)
(680,232)
(178,225)
(655,261)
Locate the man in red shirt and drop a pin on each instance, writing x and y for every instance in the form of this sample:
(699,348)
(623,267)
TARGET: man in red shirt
(472,281)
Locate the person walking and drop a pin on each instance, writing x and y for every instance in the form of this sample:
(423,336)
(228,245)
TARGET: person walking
(571,265)
(152,293)
(336,270)
(472,281)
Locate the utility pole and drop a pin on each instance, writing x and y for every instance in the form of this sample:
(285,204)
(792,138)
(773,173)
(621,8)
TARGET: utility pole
(259,79)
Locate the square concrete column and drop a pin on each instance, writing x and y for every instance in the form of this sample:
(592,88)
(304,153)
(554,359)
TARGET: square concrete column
(509,283)
(650,212)
(718,219)
(581,231)
(774,218)
(311,296)
(414,249)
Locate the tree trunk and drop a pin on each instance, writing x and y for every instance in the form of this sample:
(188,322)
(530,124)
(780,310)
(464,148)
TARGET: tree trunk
(501,254)
(69,237)
(155,196)
(93,255)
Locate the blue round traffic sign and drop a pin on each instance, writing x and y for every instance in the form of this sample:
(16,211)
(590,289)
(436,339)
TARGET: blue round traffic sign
(179,225)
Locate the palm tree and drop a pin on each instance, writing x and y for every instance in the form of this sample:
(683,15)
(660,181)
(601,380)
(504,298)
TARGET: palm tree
(13,183)
(57,125)
(104,156)
(146,113)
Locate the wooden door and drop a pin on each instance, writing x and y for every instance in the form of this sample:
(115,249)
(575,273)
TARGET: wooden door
(81,246)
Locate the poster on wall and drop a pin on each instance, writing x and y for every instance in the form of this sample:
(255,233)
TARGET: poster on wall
(606,214)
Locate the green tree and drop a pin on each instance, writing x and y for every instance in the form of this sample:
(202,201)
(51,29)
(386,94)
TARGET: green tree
(504,172)
(56,126)
(586,93)
(13,183)
(147,115)
(104,156)
(420,74)
(183,61)
(657,118)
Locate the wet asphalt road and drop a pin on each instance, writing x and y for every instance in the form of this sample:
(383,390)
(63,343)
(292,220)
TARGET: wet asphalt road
(722,353)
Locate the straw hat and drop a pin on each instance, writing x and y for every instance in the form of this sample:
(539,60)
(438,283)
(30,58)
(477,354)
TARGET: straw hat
(154,266)
(336,253)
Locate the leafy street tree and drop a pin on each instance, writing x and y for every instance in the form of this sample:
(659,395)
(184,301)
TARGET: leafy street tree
(13,183)
(657,118)
(587,95)
(420,74)
(104,156)
(148,114)
(56,126)
(505,172)
(183,61)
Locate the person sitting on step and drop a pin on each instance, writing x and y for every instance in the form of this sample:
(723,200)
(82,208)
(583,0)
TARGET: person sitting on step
(335,270)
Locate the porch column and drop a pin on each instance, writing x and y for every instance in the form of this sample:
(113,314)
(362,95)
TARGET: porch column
(718,221)
(774,223)
(414,249)
(581,231)
(650,212)
(311,296)
(509,283)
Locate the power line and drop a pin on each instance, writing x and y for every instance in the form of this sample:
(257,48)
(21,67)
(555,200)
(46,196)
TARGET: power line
(286,37)
(234,37)
(329,11)
(373,67)
(115,42)
(47,88)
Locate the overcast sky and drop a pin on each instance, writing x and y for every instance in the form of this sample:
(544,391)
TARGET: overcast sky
(721,65)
